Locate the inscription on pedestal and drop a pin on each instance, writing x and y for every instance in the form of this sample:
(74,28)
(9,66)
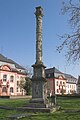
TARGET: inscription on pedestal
(37,92)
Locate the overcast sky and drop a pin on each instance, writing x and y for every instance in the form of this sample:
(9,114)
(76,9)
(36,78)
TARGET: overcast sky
(18,33)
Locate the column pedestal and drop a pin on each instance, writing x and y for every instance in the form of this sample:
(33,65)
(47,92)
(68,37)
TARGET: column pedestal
(38,84)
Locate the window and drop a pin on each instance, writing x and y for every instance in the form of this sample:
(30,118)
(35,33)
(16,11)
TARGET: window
(67,81)
(17,77)
(20,90)
(4,89)
(11,90)
(11,78)
(61,91)
(63,83)
(4,78)
(57,83)
(49,75)
(60,82)
(17,89)
(57,91)
(17,83)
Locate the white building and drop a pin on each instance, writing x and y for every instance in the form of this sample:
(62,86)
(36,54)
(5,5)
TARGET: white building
(78,85)
(60,83)
(71,84)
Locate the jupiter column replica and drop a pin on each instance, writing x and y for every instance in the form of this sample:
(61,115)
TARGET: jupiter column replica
(38,79)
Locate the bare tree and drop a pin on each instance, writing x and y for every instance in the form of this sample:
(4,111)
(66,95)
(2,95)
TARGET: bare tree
(72,41)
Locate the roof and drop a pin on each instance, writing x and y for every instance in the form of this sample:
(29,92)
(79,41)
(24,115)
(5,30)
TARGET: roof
(52,70)
(68,76)
(5,59)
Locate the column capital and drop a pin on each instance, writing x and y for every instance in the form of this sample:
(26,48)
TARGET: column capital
(39,11)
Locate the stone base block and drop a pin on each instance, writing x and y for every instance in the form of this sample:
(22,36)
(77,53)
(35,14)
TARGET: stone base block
(37,100)
(36,105)
(30,109)
(43,110)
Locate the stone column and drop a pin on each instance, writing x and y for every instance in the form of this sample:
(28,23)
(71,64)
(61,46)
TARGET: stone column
(39,16)
(38,79)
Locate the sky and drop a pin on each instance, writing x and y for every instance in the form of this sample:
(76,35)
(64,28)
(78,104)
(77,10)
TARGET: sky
(18,33)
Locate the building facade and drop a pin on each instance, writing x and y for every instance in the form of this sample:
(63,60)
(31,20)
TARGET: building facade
(78,85)
(11,74)
(60,83)
(71,84)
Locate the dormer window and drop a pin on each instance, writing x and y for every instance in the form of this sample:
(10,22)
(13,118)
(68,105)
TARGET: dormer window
(49,75)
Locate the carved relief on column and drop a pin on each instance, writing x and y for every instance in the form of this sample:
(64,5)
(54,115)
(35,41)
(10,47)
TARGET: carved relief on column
(39,16)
